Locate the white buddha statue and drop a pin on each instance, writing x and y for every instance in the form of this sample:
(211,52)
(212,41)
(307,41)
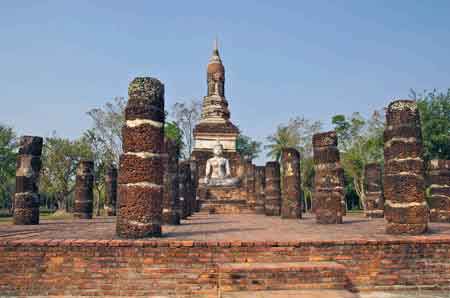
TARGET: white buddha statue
(218,169)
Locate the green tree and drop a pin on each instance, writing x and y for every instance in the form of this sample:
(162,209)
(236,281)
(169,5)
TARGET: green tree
(186,115)
(248,148)
(434,110)
(107,128)
(60,158)
(174,132)
(297,133)
(360,142)
(8,154)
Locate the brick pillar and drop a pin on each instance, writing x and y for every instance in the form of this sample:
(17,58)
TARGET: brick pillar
(28,166)
(272,191)
(250,176)
(194,182)
(84,194)
(406,210)
(140,170)
(328,179)
(439,183)
(111,190)
(185,191)
(374,194)
(291,193)
(170,214)
(260,181)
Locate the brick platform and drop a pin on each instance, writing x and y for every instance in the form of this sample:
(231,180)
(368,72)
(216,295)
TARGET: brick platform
(82,257)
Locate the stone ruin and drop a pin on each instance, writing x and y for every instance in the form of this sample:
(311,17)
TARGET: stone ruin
(291,206)
(140,175)
(272,190)
(84,196)
(185,185)
(328,179)
(171,200)
(406,210)
(374,205)
(438,179)
(250,184)
(193,165)
(260,182)
(28,166)
(111,190)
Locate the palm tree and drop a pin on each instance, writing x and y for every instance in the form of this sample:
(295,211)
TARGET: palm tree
(284,137)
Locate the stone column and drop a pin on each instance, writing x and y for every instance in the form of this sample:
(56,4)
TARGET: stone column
(140,170)
(84,194)
(170,194)
(272,191)
(111,190)
(439,183)
(328,179)
(185,185)
(28,167)
(406,210)
(194,182)
(260,181)
(374,193)
(291,206)
(250,176)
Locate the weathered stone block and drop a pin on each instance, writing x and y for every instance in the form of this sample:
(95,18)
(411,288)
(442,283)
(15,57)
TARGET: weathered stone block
(406,211)
(291,206)
(141,170)
(84,195)
(272,192)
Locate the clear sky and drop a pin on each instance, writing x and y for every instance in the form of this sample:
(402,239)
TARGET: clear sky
(58,59)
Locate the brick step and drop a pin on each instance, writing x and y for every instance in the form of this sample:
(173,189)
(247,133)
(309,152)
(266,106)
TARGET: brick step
(281,276)
(317,293)
(226,207)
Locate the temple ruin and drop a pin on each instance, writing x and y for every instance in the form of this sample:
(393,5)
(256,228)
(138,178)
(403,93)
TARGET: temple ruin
(406,210)
(28,166)
(374,206)
(291,205)
(438,178)
(140,170)
(328,179)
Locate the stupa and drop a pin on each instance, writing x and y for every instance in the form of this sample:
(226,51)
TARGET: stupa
(214,130)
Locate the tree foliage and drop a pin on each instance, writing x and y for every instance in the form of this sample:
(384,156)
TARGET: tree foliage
(360,142)
(60,158)
(186,115)
(434,110)
(8,154)
(248,148)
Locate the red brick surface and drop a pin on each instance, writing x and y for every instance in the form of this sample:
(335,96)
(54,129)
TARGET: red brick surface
(82,257)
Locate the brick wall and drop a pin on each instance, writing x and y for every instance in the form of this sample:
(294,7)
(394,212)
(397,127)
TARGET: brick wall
(189,268)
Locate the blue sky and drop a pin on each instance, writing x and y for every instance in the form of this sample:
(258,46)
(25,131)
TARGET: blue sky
(58,59)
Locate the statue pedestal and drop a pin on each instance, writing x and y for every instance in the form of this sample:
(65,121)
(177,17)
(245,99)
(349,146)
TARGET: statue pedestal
(222,200)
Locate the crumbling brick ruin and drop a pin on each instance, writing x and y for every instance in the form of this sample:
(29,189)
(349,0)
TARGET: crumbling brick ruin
(291,206)
(439,183)
(84,195)
(185,188)
(272,192)
(194,184)
(28,166)
(111,190)
(260,181)
(170,214)
(328,179)
(140,170)
(374,193)
(406,210)
(250,184)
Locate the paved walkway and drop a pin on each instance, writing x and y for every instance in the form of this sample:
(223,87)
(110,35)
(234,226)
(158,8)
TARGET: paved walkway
(216,227)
